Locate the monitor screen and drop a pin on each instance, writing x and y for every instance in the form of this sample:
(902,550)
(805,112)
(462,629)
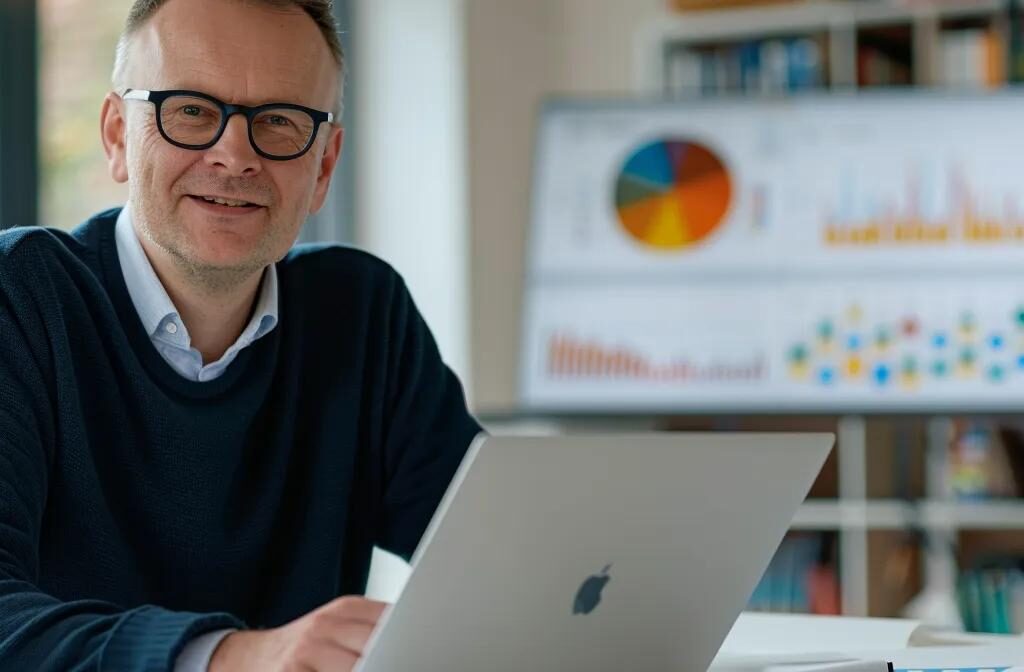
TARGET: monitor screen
(832,253)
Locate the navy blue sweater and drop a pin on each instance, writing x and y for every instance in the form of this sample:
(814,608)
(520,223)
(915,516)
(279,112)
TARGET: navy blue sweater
(139,509)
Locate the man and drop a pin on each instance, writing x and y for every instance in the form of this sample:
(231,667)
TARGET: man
(202,433)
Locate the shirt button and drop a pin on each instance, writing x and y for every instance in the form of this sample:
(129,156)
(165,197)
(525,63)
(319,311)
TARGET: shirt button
(171,328)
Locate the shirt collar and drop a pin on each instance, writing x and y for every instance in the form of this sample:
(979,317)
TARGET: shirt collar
(155,307)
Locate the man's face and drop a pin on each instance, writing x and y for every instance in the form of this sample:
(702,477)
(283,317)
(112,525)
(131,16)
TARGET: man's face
(243,53)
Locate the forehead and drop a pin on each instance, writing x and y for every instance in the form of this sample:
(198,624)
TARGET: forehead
(241,52)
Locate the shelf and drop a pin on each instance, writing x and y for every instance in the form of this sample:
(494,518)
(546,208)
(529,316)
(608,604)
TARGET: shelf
(869,514)
(898,515)
(719,25)
(993,515)
(704,5)
(728,23)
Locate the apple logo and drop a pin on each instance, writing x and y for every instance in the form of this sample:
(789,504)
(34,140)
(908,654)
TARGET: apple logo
(589,595)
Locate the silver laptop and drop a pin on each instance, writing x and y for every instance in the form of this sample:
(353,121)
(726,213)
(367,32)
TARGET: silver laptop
(624,553)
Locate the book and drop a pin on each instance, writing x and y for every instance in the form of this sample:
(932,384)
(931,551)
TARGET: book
(775,66)
(992,600)
(758,634)
(800,578)
(775,641)
(971,58)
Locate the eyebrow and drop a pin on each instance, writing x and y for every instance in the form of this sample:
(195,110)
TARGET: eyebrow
(187,83)
(295,100)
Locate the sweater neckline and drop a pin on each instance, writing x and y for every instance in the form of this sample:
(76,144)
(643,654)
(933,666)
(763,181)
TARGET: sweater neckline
(143,346)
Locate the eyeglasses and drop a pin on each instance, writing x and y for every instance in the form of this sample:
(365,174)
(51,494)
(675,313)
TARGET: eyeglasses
(193,120)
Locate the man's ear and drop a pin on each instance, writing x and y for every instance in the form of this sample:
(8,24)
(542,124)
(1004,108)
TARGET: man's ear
(113,127)
(327,165)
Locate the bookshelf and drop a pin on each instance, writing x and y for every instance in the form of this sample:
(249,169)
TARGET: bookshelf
(837,44)
(901,547)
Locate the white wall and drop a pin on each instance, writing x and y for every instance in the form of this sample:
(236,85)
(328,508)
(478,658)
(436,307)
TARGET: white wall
(410,168)
(518,52)
(514,60)
(410,174)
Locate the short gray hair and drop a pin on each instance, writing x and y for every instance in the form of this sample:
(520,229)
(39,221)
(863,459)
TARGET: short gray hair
(321,11)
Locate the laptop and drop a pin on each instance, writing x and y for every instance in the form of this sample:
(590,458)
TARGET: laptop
(627,553)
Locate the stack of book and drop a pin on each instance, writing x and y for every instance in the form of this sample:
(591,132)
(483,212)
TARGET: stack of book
(800,579)
(992,601)
(972,58)
(770,66)
(878,67)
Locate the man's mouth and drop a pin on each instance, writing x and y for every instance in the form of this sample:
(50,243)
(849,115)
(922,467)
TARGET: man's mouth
(230,202)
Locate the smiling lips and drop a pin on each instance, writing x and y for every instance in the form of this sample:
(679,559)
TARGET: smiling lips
(226,201)
(225,206)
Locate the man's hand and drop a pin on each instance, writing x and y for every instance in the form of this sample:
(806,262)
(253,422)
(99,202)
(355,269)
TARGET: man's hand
(330,639)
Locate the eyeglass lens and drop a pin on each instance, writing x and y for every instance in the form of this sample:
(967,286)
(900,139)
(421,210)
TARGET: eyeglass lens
(195,121)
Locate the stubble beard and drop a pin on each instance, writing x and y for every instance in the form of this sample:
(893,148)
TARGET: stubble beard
(166,233)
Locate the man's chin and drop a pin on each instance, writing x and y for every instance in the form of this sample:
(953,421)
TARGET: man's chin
(226,251)
(221,267)
(228,265)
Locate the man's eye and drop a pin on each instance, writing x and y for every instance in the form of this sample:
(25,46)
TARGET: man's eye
(192,110)
(277,120)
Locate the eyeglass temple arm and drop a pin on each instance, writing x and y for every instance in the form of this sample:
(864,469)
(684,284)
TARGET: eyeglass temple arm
(140,94)
(135,94)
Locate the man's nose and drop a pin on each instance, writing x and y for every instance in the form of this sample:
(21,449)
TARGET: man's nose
(234,153)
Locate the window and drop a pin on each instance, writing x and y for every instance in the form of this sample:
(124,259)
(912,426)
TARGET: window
(77,40)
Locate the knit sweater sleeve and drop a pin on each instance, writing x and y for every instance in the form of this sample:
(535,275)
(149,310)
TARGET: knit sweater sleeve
(39,631)
(428,427)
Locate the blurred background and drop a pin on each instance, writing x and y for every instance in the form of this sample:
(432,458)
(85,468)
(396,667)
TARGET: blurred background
(626,215)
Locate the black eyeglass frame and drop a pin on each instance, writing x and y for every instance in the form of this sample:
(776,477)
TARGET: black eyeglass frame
(227,111)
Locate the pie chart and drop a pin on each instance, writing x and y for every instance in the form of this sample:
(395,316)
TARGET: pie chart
(672,194)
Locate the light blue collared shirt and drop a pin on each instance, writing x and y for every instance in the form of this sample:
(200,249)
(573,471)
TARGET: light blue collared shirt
(167,332)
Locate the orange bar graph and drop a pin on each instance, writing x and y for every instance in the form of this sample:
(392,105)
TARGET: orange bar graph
(569,358)
(964,223)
